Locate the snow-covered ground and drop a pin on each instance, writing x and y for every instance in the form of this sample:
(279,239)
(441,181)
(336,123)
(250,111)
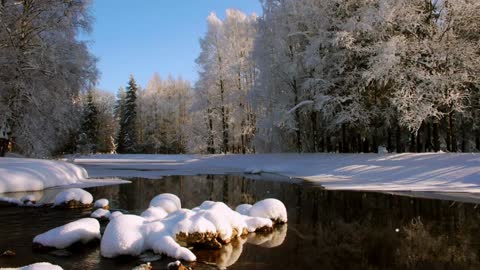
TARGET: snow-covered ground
(21,174)
(23,181)
(440,172)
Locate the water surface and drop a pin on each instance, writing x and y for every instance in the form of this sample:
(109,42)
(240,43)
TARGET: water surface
(326,229)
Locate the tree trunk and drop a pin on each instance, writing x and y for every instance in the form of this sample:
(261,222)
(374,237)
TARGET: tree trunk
(419,140)
(344,148)
(224,118)
(389,141)
(313,119)
(428,139)
(398,139)
(366,145)
(477,140)
(452,132)
(297,118)
(412,143)
(436,137)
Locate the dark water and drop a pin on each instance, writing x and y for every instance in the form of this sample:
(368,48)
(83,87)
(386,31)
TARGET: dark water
(326,229)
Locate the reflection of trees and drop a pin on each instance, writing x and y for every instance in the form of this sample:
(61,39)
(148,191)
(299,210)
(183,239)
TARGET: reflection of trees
(333,229)
(419,247)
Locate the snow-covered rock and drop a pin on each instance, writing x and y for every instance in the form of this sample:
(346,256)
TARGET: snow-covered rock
(37,266)
(154,213)
(101,213)
(244,209)
(73,198)
(101,203)
(211,224)
(21,174)
(28,199)
(84,230)
(115,214)
(123,236)
(167,201)
(270,208)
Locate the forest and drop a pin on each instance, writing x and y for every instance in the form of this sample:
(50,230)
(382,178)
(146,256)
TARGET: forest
(345,76)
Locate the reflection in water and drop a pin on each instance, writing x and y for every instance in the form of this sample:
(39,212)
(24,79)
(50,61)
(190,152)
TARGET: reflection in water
(326,229)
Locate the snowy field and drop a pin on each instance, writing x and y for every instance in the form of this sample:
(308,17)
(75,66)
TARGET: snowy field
(440,172)
(21,174)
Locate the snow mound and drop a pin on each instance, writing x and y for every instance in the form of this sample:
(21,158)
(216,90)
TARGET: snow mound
(83,230)
(101,203)
(101,213)
(154,213)
(21,174)
(270,208)
(244,209)
(73,194)
(115,215)
(169,202)
(210,224)
(123,236)
(37,266)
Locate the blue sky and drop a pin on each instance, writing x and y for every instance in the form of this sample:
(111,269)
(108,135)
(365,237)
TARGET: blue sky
(147,36)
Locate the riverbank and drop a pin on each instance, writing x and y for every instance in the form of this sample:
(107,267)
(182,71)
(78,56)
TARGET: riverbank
(23,174)
(436,172)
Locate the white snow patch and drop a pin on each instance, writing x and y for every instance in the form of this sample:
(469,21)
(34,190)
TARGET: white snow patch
(37,266)
(22,174)
(244,209)
(115,215)
(167,201)
(269,208)
(156,230)
(101,213)
(101,203)
(83,230)
(440,172)
(73,194)
(154,213)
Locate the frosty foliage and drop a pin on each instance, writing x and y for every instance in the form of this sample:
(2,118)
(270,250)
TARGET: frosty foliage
(44,67)
(372,68)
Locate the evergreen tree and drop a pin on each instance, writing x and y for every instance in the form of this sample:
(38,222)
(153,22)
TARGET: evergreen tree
(126,138)
(87,140)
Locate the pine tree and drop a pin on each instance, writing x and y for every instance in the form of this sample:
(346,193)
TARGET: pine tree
(126,138)
(88,137)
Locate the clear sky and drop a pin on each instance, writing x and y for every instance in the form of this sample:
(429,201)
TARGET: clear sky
(146,36)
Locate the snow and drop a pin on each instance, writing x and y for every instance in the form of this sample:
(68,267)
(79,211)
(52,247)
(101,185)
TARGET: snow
(37,266)
(22,174)
(168,202)
(158,231)
(115,215)
(101,203)
(243,209)
(83,230)
(154,213)
(440,172)
(73,194)
(101,213)
(269,208)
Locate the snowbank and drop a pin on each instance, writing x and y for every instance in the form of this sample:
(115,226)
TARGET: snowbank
(83,230)
(101,213)
(21,174)
(441,172)
(37,266)
(73,194)
(101,203)
(212,223)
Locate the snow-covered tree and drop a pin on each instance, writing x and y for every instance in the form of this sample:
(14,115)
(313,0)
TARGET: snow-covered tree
(127,135)
(227,73)
(44,68)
